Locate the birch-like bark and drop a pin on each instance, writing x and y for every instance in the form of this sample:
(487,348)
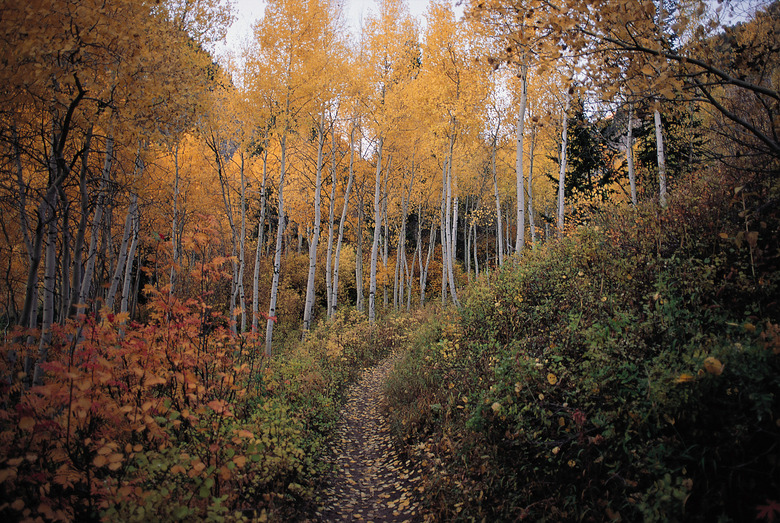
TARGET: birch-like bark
(375,243)
(424,270)
(359,301)
(451,222)
(260,241)
(386,235)
(342,222)
(271,318)
(331,225)
(78,248)
(97,219)
(175,220)
(520,239)
(661,155)
(443,215)
(242,245)
(630,153)
(499,227)
(531,220)
(314,238)
(121,259)
(476,258)
(136,217)
(49,282)
(562,174)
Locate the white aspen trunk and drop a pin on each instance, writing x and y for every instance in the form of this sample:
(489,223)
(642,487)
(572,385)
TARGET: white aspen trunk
(454,224)
(359,301)
(130,254)
(175,220)
(121,259)
(659,143)
(397,273)
(242,247)
(410,277)
(386,236)
(65,260)
(86,280)
(476,258)
(314,239)
(78,250)
(271,319)
(562,174)
(331,225)
(499,228)
(630,154)
(443,214)
(467,240)
(375,243)
(49,283)
(424,270)
(531,220)
(520,239)
(258,250)
(213,143)
(342,222)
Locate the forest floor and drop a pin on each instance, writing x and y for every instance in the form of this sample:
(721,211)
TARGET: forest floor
(370,481)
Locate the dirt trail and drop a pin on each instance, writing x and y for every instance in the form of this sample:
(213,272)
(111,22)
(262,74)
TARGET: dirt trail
(371,482)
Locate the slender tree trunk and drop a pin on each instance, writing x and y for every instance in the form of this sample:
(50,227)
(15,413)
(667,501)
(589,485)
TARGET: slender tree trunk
(342,222)
(78,248)
(49,283)
(476,258)
(531,220)
(375,243)
(520,239)
(314,239)
(562,175)
(122,257)
(260,241)
(175,220)
(123,250)
(386,236)
(444,241)
(424,270)
(271,319)
(451,222)
(242,246)
(659,142)
(359,258)
(499,227)
(331,225)
(136,217)
(467,240)
(630,153)
(86,281)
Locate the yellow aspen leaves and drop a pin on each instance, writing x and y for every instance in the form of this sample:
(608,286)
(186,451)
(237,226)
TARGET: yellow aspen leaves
(713,366)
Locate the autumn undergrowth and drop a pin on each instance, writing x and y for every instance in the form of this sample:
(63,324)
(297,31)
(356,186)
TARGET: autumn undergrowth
(175,418)
(630,371)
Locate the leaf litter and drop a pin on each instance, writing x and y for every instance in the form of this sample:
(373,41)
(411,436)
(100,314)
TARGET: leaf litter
(370,480)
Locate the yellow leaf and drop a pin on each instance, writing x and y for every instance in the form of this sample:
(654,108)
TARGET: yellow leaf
(552,379)
(26,423)
(684,378)
(240,461)
(100,460)
(713,366)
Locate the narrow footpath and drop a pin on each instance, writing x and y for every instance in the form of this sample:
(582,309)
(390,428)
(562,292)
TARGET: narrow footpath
(370,481)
